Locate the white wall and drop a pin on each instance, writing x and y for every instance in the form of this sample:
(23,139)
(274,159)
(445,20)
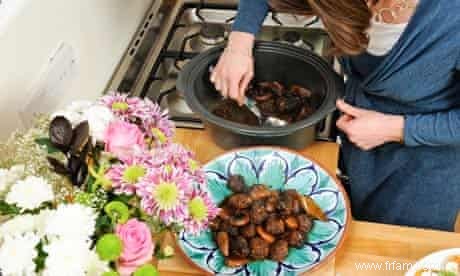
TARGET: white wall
(98,30)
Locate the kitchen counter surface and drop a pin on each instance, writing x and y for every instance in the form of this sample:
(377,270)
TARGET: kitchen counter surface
(384,249)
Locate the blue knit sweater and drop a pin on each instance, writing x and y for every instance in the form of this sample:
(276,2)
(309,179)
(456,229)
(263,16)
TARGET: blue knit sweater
(417,183)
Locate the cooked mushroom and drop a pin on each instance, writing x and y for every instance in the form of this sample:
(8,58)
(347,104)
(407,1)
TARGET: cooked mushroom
(264,235)
(214,224)
(300,91)
(224,214)
(239,247)
(240,220)
(235,262)
(279,250)
(295,238)
(226,226)
(291,222)
(258,213)
(236,183)
(312,208)
(288,103)
(259,248)
(259,191)
(271,203)
(274,225)
(305,223)
(288,203)
(240,201)
(248,231)
(223,243)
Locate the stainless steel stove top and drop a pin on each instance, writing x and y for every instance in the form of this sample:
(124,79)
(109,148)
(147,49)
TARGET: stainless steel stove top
(174,32)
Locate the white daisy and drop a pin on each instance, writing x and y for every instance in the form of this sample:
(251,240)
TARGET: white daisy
(99,118)
(10,176)
(71,221)
(17,255)
(30,193)
(66,257)
(18,225)
(95,265)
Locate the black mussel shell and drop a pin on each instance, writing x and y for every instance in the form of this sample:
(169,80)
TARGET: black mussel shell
(61,133)
(78,170)
(57,165)
(80,137)
(74,163)
(79,177)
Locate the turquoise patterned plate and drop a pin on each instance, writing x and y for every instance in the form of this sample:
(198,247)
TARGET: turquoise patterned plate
(279,169)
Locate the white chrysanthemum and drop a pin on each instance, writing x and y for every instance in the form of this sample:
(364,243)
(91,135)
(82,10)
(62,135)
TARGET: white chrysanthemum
(66,257)
(17,255)
(18,225)
(30,193)
(99,118)
(73,112)
(9,176)
(71,221)
(95,265)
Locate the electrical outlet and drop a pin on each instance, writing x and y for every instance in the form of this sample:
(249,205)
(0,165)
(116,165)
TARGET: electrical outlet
(52,83)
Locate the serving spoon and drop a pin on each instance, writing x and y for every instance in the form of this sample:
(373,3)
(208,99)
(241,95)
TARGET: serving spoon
(269,121)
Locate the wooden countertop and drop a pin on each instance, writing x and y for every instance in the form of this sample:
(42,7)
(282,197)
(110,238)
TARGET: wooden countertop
(390,247)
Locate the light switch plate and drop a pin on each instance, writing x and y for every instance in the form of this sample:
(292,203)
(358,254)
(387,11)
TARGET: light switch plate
(52,83)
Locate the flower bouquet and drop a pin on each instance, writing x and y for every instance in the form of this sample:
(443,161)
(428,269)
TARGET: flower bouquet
(86,191)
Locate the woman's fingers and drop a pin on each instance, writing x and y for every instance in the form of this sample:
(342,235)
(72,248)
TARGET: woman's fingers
(342,122)
(349,109)
(243,87)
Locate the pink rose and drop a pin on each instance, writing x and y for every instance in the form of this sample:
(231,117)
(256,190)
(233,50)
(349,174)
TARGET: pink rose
(138,246)
(123,139)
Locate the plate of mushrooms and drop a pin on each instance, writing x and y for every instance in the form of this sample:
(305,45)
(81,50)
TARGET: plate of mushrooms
(280,214)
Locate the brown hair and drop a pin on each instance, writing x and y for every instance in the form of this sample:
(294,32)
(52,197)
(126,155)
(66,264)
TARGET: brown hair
(346,21)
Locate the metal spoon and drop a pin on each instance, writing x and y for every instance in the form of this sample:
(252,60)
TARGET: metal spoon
(269,121)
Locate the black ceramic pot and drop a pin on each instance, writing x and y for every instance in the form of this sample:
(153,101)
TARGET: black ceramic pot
(273,62)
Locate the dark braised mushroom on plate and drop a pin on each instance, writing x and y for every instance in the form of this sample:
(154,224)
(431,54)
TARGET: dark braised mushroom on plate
(259,248)
(279,250)
(257,223)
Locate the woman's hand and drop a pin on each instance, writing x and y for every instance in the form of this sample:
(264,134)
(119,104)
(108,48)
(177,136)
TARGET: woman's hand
(235,68)
(369,129)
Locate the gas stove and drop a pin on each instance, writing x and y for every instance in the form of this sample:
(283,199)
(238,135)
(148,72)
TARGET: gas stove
(173,32)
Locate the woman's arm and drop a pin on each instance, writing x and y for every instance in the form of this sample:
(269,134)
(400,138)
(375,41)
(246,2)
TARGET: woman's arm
(437,129)
(251,15)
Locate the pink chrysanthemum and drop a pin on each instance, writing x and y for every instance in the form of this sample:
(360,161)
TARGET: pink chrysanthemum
(155,122)
(163,194)
(125,176)
(177,156)
(201,210)
(121,105)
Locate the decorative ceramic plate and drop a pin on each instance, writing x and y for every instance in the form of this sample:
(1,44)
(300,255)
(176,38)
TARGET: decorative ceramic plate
(433,261)
(279,169)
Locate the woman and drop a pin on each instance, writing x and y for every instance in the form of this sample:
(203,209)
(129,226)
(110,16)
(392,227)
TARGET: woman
(401,110)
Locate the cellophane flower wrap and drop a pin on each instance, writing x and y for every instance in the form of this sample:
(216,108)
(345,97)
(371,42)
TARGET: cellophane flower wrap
(87,189)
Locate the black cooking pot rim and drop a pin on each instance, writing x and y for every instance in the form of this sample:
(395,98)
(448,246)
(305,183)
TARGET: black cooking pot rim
(334,88)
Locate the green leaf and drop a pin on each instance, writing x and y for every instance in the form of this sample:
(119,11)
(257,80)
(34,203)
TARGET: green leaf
(41,258)
(446,273)
(46,142)
(103,225)
(126,199)
(8,209)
